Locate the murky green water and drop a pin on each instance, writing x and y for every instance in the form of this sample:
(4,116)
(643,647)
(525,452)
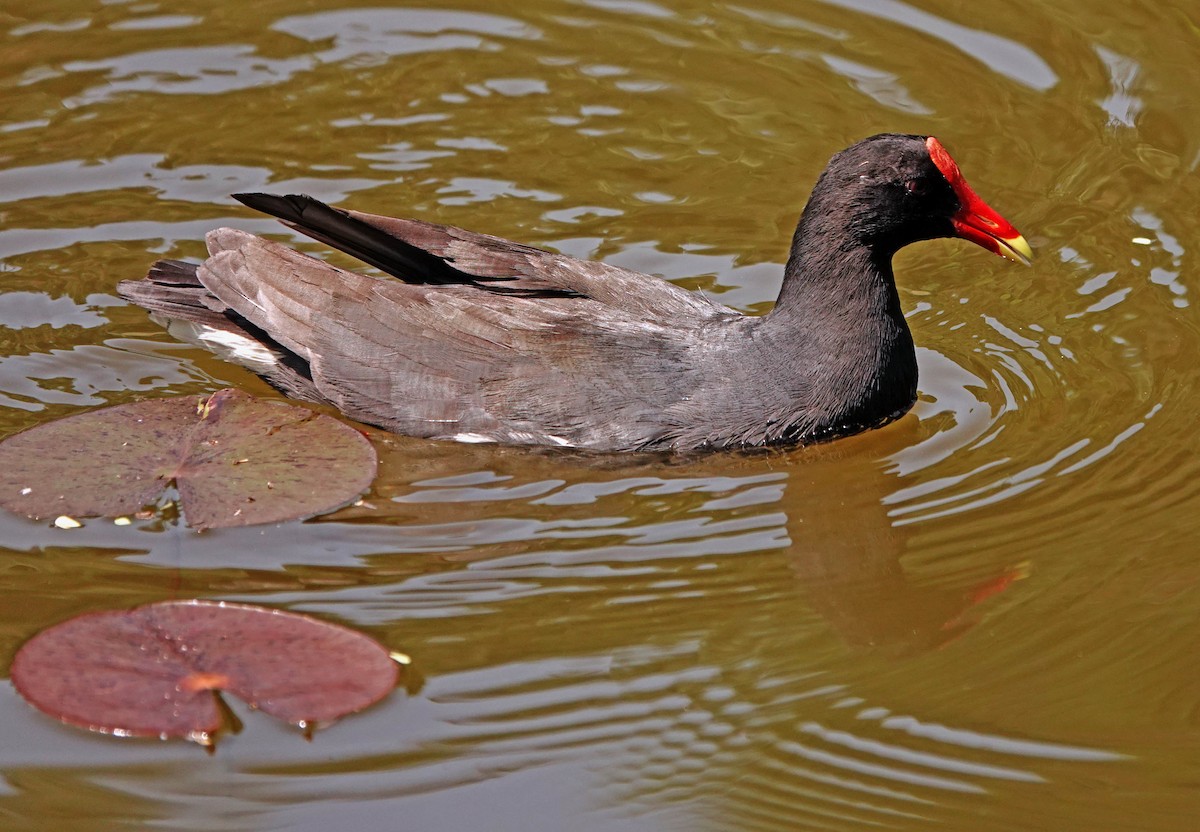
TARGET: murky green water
(983,617)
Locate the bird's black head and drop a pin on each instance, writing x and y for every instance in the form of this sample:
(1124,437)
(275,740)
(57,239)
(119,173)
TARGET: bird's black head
(893,189)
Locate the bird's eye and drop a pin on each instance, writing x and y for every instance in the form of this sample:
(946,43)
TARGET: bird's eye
(915,186)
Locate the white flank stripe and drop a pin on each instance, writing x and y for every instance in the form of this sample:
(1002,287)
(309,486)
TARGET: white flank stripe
(472,438)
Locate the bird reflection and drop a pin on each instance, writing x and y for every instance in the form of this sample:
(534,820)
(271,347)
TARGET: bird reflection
(698,624)
(820,512)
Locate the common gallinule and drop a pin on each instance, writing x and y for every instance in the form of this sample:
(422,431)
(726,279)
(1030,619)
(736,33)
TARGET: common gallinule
(486,340)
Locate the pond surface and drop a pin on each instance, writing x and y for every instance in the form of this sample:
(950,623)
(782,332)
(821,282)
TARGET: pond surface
(985,616)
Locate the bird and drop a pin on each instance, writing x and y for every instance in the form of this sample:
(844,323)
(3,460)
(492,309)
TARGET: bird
(474,338)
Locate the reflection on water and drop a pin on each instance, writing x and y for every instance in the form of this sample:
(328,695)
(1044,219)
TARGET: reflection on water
(666,584)
(81,375)
(981,617)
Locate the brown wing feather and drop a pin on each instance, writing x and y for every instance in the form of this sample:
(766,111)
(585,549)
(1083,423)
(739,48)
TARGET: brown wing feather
(427,253)
(445,361)
(534,269)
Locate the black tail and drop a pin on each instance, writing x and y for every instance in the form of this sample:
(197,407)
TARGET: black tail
(172,291)
(171,288)
(359,239)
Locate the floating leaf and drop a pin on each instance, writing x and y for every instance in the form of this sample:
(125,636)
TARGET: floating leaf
(154,670)
(235,460)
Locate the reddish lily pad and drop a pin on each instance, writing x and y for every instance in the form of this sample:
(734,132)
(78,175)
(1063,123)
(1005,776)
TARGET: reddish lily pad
(235,460)
(154,671)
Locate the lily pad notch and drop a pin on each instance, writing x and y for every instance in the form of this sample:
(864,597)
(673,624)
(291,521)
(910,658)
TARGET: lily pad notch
(154,671)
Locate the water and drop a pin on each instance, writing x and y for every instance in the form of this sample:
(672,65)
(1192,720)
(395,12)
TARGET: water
(982,617)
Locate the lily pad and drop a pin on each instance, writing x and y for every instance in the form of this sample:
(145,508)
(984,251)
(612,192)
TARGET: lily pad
(234,459)
(154,671)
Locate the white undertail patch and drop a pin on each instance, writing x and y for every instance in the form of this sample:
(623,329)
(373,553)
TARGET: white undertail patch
(229,346)
(472,438)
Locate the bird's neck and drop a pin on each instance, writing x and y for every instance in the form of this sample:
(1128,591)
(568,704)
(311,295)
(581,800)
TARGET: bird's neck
(828,259)
(832,271)
(839,324)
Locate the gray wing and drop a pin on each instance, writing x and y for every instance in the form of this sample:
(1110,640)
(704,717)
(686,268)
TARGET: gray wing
(427,253)
(596,369)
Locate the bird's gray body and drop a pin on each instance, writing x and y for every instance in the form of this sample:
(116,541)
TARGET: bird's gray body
(617,361)
(478,339)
